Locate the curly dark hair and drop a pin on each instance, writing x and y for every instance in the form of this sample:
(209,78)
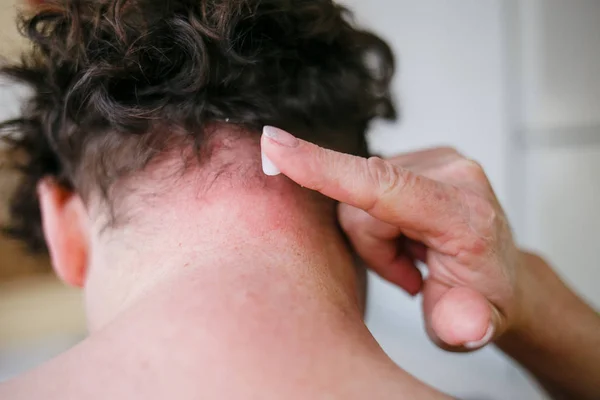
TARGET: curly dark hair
(115,80)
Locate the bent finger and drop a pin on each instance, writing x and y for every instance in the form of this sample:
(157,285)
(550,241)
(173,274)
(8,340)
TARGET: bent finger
(378,245)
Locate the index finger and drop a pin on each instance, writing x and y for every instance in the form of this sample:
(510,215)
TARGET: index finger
(387,192)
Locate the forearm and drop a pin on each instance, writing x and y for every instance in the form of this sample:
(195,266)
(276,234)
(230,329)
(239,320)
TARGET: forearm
(557,337)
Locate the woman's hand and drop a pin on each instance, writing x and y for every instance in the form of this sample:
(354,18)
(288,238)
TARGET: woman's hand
(438,207)
(435,206)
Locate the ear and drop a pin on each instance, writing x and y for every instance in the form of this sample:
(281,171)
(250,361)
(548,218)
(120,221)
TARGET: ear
(66,229)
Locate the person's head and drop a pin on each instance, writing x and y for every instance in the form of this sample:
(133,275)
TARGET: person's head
(131,98)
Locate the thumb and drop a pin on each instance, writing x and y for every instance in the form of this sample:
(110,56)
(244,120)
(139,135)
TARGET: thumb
(463,317)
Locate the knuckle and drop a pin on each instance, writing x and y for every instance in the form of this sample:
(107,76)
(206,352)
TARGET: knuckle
(483,224)
(475,231)
(450,150)
(489,219)
(472,251)
(385,176)
(474,170)
(479,246)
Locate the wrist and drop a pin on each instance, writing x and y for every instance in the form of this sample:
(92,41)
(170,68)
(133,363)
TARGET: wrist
(554,334)
(532,281)
(541,300)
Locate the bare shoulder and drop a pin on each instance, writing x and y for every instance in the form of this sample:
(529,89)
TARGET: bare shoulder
(51,385)
(101,369)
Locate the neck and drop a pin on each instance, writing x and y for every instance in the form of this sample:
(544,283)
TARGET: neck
(246,289)
(267,262)
(261,241)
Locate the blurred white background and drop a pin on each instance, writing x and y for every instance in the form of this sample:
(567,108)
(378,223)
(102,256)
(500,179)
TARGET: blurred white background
(512,84)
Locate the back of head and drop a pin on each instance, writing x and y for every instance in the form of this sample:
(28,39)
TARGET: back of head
(117,83)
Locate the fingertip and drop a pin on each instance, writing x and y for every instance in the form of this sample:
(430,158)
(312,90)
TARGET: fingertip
(462,316)
(280,152)
(404,273)
(417,250)
(484,340)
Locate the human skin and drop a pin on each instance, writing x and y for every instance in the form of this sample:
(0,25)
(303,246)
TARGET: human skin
(481,288)
(238,289)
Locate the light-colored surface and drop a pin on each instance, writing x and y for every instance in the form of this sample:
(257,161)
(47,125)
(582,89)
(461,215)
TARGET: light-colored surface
(13,259)
(560,123)
(20,359)
(450,80)
(39,317)
(35,308)
(563,198)
(560,63)
(541,150)
(11,41)
(452,85)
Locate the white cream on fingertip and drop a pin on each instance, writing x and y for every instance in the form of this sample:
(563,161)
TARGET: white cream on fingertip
(268,167)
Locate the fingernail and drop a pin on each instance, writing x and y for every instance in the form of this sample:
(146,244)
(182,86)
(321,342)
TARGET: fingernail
(483,341)
(280,136)
(268,167)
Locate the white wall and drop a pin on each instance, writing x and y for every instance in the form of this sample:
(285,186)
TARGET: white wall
(12,97)
(514,84)
(452,86)
(560,127)
(450,80)
(560,64)
(562,200)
